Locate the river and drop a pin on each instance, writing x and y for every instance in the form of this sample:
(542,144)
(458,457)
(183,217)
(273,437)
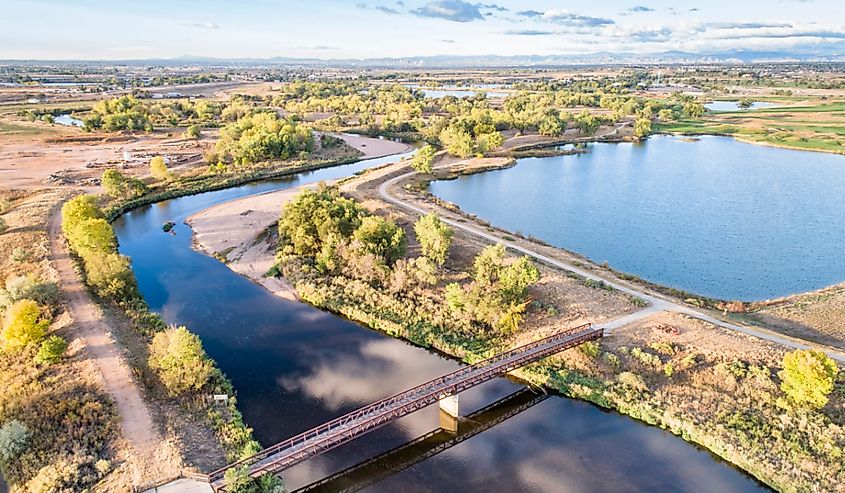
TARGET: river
(295,367)
(713,216)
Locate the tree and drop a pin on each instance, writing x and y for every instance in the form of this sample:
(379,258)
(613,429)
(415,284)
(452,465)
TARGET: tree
(435,238)
(457,141)
(193,132)
(642,127)
(515,278)
(77,210)
(51,351)
(180,361)
(423,159)
(381,237)
(24,324)
(14,439)
(93,236)
(745,103)
(488,141)
(119,186)
(317,217)
(110,276)
(551,126)
(807,377)
(158,168)
(693,109)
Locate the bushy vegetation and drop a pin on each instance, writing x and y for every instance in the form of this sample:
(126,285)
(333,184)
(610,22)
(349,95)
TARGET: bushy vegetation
(158,168)
(121,186)
(807,377)
(176,355)
(180,361)
(262,137)
(435,238)
(25,323)
(423,159)
(497,294)
(122,113)
(56,426)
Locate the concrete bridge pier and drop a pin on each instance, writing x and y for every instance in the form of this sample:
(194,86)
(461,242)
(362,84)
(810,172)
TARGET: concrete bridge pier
(449,413)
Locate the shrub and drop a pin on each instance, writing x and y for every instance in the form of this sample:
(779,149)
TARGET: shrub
(14,439)
(193,132)
(632,380)
(3,226)
(435,238)
(423,159)
(158,168)
(19,255)
(591,349)
(77,210)
(316,217)
(24,324)
(381,237)
(110,276)
(807,377)
(180,361)
(93,237)
(26,288)
(51,351)
(120,186)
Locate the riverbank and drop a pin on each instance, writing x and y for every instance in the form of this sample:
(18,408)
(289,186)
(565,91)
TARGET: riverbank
(650,368)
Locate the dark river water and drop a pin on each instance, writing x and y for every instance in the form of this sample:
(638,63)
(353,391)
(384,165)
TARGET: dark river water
(295,367)
(716,217)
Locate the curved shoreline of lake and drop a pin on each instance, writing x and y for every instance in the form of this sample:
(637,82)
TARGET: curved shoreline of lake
(695,216)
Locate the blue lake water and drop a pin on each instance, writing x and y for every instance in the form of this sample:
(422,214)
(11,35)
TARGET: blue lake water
(295,367)
(715,217)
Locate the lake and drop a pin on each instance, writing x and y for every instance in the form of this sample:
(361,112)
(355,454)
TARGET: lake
(295,367)
(734,105)
(716,217)
(66,119)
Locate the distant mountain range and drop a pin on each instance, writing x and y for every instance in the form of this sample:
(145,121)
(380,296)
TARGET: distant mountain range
(470,61)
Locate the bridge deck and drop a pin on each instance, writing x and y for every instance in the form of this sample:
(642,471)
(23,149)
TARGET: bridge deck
(345,428)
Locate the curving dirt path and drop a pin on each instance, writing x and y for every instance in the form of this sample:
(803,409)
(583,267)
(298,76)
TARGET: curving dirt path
(136,422)
(655,304)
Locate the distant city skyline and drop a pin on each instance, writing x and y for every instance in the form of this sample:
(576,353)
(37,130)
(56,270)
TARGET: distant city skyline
(333,29)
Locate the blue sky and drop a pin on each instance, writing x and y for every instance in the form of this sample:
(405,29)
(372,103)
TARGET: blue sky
(99,29)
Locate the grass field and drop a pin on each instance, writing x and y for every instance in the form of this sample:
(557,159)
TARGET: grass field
(812,127)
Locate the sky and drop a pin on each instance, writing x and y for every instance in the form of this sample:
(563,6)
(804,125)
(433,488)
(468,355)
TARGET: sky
(121,30)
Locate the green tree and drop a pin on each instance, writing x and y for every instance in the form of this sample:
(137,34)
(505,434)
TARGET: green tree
(179,360)
(807,377)
(457,141)
(193,132)
(435,238)
(110,275)
(77,210)
(381,237)
(488,141)
(120,186)
(745,103)
(515,278)
(423,159)
(93,236)
(693,109)
(317,217)
(158,168)
(14,439)
(552,126)
(51,351)
(642,127)
(24,324)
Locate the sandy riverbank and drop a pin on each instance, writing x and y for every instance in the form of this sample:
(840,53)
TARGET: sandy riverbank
(242,232)
(373,148)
